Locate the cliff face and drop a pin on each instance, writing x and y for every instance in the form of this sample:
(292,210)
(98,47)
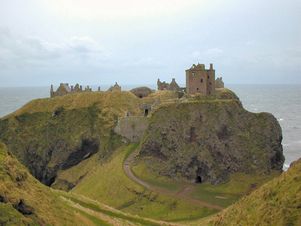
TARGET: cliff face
(206,140)
(52,135)
(24,201)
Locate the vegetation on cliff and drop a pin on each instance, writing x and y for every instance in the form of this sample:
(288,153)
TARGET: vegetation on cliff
(206,140)
(278,202)
(53,134)
(24,201)
(69,143)
(109,184)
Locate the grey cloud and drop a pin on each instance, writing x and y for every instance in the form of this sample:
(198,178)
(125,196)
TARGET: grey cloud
(17,50)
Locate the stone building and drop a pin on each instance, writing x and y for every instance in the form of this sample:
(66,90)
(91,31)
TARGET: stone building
(64,89)
(141,92)
(200,80)
(173,86)
(219,83)
(115,88)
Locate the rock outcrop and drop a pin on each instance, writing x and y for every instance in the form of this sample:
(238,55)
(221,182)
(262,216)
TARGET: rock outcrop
(25,201)
(51,135)
(206,140)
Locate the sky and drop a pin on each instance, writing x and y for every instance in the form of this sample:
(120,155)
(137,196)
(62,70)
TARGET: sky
(95,42)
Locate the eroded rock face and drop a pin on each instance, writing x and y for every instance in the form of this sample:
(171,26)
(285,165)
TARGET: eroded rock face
(47,142)
(206,141)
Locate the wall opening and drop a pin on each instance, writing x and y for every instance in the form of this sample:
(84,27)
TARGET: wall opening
(145,112)
(198,180)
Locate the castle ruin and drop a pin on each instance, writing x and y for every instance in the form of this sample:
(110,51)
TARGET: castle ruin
(219,83)
(200,80)
(173,86)
(65,89)
(115,88)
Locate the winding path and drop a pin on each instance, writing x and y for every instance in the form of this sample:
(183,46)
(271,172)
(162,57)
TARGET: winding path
(182,194)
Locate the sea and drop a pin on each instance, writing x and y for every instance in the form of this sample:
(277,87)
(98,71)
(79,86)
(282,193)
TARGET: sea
(283,101)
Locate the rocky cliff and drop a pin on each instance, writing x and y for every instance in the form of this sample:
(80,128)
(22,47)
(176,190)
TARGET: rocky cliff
(205,140)
(52,135)
(24,201)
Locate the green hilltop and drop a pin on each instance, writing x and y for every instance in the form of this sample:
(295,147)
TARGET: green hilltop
(198,155)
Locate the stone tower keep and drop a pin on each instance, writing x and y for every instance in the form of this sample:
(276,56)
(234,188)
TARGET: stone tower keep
(200,80)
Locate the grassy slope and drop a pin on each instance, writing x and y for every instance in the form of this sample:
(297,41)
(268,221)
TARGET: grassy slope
(109,184)
(39,139)
(278,202)
(16,184)
(222,194)
(50,207)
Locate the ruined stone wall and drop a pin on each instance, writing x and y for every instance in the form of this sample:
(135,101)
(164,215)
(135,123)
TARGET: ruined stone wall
(211,82)
(196,82)
(132,127)
(219,83)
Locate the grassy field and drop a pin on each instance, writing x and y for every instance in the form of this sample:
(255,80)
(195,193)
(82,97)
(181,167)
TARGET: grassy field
(222,194)
(141,171)
(108,184)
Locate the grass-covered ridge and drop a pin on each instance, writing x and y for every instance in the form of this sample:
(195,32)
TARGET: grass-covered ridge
(224,194)
(109,184)
(278,202)
(53,134)
(24,201)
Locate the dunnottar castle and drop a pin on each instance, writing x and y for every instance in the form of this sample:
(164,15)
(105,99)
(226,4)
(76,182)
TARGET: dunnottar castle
(199,80)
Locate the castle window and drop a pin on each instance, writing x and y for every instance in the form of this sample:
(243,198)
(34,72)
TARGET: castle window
(193,73)
(208,76)
(201,80)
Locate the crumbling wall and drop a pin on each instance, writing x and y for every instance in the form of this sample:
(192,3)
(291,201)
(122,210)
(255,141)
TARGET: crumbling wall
(132,127)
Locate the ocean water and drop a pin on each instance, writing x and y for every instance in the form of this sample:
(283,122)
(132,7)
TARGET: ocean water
(283,101)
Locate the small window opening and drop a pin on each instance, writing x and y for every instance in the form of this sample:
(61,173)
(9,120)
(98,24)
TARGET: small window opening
(201,80)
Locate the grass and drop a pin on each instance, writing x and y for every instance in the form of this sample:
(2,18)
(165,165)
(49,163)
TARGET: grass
(97,208)
(142,171)
(277,202)
(109,184)
(10,216)
(16,184)
(223,194)
(93,219)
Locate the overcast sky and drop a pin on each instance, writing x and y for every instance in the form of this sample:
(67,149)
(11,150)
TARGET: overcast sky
(138,41)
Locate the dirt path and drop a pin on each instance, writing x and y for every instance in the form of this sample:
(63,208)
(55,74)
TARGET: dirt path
(182,194)
(117,220)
